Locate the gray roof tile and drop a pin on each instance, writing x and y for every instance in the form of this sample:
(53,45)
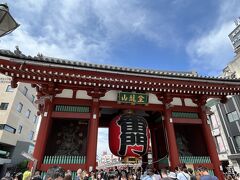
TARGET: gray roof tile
(41,58)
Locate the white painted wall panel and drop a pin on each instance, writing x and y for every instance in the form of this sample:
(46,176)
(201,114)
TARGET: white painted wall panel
(66,93)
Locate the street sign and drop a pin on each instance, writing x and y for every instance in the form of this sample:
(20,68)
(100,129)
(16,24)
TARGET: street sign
(28,156)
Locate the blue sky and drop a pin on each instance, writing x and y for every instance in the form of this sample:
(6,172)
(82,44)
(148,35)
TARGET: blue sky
(180,35)
(175,35)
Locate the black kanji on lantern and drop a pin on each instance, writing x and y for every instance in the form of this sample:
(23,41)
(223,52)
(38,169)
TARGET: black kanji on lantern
(133,133)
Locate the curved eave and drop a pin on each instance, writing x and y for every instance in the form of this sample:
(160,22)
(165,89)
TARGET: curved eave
(39,72)
(58,63)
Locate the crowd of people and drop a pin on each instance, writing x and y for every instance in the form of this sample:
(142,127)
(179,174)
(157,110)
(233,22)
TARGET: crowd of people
(116,173)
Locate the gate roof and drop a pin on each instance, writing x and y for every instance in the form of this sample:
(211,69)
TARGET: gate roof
(76,75)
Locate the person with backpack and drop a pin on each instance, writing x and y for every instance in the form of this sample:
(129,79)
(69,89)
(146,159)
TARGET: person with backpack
(204,174)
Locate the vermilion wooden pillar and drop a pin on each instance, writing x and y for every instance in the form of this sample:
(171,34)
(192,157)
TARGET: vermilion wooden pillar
(92,135)
(43,134)
(172,144)
(211,147)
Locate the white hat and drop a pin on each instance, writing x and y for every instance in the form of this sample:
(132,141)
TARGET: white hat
(172,175)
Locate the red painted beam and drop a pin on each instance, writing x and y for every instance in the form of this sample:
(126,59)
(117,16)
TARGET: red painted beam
(70,101)
(186,121)
(70,115)
(115,105)
(185,109)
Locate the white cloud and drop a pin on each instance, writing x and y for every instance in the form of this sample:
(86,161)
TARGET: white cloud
(30,5)
(211,51)
(55,29)
(79,29)
(134,19)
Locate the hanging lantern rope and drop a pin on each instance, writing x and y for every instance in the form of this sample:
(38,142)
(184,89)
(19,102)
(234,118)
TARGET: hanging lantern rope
(156,160)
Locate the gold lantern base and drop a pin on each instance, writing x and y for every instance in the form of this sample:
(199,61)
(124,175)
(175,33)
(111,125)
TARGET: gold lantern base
(130,160)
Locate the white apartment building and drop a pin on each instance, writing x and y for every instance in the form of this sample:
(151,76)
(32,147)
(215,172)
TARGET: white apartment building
(18,122)
(225,120)
(232,70)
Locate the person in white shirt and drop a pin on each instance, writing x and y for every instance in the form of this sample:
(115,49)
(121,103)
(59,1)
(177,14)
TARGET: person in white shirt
(150,175)
(182,173)
(156,177)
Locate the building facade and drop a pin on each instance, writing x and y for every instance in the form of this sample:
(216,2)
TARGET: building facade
(226,117)
(224,122)
(105,160)
(234,36)
(18,122)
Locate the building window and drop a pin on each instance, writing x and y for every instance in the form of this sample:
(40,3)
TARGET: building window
(33,98)
(35,118)
(19,107)
(31,133)
(220,144)
(214,121)
(30,149)
(9,129)
(237,139)
(25,90)
(9,89)
(233,75)
(232,116)
(20,129)
(4,106)
(28,113)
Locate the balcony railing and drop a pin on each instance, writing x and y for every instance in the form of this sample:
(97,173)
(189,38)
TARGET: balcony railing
(195,159)
(64,160)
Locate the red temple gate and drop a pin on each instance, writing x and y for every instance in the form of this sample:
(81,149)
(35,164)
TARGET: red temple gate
(76,98)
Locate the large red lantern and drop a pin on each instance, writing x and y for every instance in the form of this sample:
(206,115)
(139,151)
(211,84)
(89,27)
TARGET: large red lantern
(129,135)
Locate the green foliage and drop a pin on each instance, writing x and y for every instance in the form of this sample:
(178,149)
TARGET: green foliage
(21,167)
